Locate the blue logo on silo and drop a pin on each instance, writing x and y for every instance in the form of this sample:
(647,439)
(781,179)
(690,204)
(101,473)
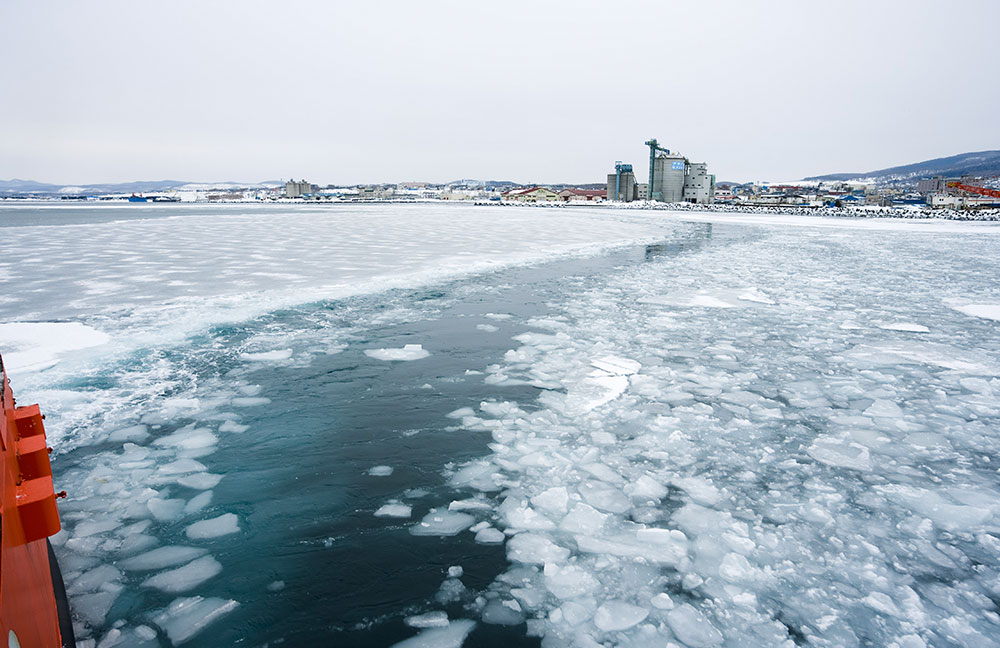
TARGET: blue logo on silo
(677,166)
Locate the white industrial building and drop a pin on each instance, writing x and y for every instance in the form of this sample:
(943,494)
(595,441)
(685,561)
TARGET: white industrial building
(298,189)
(673,178)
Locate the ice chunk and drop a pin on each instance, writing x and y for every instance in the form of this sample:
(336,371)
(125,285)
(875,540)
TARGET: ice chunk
(93,608)
(534,548)
(428,620)
(452,636)
(700,490)
(451,590)
(754,295)
(182,466)
(616,365)
(569,581)
(909,327)
(165,509)
(662,601)
(503,612)
(525,517)
(461,412)
(470,505)
(213,528)
(232,426)
(583,519)
(92,527)
(985,311)
(490,535)
(137,433)
(692,627)
(39,345)
(840,453)
(616,615)
(186,617)
(605,497)
(188,438)
(735,568)
(268,356)
(976,385)
(592,392)
(200,481)
(394,509)
(408,352)
(442,523)
(184,578)
(603,472)
(162,557)
(882,603)
(380,471)
(489,328)
(884,408)
(647,488)
(480,475)
(198,502)
(276,586)
(669,553)
(553,500)
(94,579)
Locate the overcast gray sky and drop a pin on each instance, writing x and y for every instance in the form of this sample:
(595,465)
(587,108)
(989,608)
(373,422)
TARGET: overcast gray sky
(350,92)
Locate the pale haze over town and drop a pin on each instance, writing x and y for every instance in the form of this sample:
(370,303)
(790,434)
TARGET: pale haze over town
(522,91)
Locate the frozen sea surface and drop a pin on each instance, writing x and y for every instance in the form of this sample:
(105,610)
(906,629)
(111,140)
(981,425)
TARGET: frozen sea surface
(749,432)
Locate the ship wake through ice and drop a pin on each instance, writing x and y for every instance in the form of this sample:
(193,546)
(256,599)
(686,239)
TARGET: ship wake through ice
(745,434)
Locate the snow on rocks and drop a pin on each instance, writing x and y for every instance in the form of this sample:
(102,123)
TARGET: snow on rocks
(407,353)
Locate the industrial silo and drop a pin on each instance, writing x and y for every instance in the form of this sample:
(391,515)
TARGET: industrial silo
(669,172)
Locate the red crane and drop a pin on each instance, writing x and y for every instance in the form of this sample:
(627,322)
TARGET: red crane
(982,191)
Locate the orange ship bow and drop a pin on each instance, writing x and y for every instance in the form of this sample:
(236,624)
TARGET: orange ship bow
(33,608)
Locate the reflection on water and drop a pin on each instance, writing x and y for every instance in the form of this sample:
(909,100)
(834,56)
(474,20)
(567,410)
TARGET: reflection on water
(694,238)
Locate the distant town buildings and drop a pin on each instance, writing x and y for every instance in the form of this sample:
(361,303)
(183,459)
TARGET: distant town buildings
(531,195)
(572,194)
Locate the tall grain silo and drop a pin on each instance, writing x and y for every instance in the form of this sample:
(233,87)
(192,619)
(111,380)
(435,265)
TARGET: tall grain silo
(669,172)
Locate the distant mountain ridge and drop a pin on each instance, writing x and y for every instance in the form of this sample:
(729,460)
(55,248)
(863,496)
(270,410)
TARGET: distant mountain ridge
(981,163)
(17,186)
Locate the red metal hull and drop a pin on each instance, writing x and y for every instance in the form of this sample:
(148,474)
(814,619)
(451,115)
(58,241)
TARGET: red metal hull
(29,581)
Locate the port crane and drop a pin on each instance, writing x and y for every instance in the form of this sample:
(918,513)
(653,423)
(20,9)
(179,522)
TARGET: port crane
(982,191)
(654,146)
